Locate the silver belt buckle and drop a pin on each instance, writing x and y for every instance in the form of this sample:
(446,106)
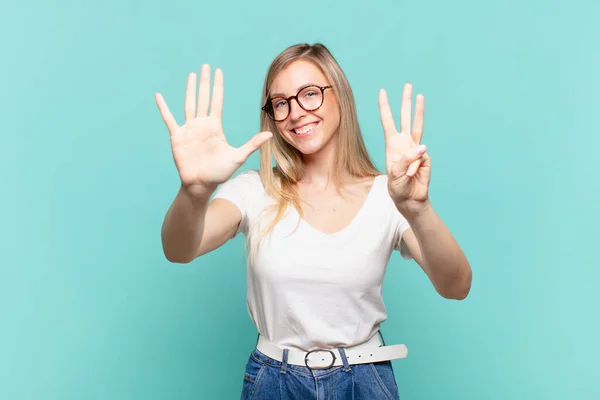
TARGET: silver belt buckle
(326,367)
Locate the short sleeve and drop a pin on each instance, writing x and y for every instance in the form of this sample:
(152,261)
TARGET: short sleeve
(400,244)
(397,223)
(240,190)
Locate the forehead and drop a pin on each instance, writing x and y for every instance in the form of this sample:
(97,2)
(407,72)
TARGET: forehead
(294,76)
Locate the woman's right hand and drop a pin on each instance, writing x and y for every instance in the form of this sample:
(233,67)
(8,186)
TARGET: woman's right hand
(202,155)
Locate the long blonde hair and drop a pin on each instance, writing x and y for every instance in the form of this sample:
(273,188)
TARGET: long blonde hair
(280,182)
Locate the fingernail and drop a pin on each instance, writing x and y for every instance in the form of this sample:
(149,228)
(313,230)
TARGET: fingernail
(421,148)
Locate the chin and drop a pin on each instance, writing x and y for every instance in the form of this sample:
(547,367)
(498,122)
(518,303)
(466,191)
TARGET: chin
(310,147)
(308,151)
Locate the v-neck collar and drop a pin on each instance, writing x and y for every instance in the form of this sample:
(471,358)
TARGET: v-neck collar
(349,228)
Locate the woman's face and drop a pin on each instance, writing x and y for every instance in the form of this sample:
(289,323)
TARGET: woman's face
(307,131)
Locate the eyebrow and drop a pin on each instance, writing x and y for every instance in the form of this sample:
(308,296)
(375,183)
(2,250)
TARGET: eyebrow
(297,90)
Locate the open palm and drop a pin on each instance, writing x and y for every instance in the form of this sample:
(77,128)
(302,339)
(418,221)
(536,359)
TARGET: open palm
(201,153)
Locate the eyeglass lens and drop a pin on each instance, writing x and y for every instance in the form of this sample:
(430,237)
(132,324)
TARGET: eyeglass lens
(309,98)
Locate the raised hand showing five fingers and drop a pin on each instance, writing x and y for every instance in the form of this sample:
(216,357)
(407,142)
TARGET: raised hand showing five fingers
(407,163)
(202,155)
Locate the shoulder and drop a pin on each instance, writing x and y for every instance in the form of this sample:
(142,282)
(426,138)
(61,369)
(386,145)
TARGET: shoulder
(249,177)
(382,192)
(381,182)
(382,177)
(244,190)
(242,184)
(248,174)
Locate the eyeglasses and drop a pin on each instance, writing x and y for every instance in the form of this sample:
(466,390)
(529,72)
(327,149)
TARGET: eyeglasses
(310,98)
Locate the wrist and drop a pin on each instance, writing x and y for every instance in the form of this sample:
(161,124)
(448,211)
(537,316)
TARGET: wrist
(198,192)
(412,210)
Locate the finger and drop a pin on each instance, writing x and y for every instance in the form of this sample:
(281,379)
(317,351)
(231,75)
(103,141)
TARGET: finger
(204,91)
(190,98)
(412,155)
(419,118)
(165,113)
(387,120)
(426,160)
(412,169)
(406,108)
(216,105)
(253,144)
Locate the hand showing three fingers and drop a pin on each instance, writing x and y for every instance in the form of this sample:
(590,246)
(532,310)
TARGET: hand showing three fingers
(202,155)
(408,165)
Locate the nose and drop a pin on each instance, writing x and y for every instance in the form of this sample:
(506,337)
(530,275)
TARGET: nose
(296,112)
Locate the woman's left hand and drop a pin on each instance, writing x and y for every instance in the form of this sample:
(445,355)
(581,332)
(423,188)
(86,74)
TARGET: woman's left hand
(407,163)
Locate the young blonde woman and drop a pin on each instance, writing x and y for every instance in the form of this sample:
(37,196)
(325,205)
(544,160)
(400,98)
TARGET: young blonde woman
(320,224)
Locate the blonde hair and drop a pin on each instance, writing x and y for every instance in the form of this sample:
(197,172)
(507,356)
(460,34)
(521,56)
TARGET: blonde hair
(280,182)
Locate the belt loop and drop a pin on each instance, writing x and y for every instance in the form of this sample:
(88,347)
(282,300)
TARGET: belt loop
(284,361)
(344,359)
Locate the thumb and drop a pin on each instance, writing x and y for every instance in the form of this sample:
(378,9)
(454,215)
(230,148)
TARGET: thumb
(409,157)
(253,144)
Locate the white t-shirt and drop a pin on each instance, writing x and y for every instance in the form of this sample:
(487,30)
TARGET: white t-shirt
(310,290)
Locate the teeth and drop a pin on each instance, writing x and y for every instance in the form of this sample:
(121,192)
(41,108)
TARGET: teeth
(305,129)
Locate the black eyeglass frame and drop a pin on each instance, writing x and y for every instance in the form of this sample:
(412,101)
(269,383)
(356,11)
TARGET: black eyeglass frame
(268,107)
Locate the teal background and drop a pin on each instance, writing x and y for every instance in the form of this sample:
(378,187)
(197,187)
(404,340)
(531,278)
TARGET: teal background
(91,309)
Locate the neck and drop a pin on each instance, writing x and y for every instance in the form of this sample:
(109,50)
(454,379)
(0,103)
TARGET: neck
(319,167)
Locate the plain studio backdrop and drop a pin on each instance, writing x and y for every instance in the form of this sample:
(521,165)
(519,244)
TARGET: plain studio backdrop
(91,309)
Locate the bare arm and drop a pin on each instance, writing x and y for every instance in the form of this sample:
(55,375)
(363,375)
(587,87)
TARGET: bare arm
(204,159)
(438,254)
(194,227)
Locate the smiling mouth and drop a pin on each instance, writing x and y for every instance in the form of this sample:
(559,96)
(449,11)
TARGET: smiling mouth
(306,129)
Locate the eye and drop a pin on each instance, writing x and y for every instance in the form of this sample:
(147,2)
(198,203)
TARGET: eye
(280,104)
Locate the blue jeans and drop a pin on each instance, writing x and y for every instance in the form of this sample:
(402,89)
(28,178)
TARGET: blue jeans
(269,379)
